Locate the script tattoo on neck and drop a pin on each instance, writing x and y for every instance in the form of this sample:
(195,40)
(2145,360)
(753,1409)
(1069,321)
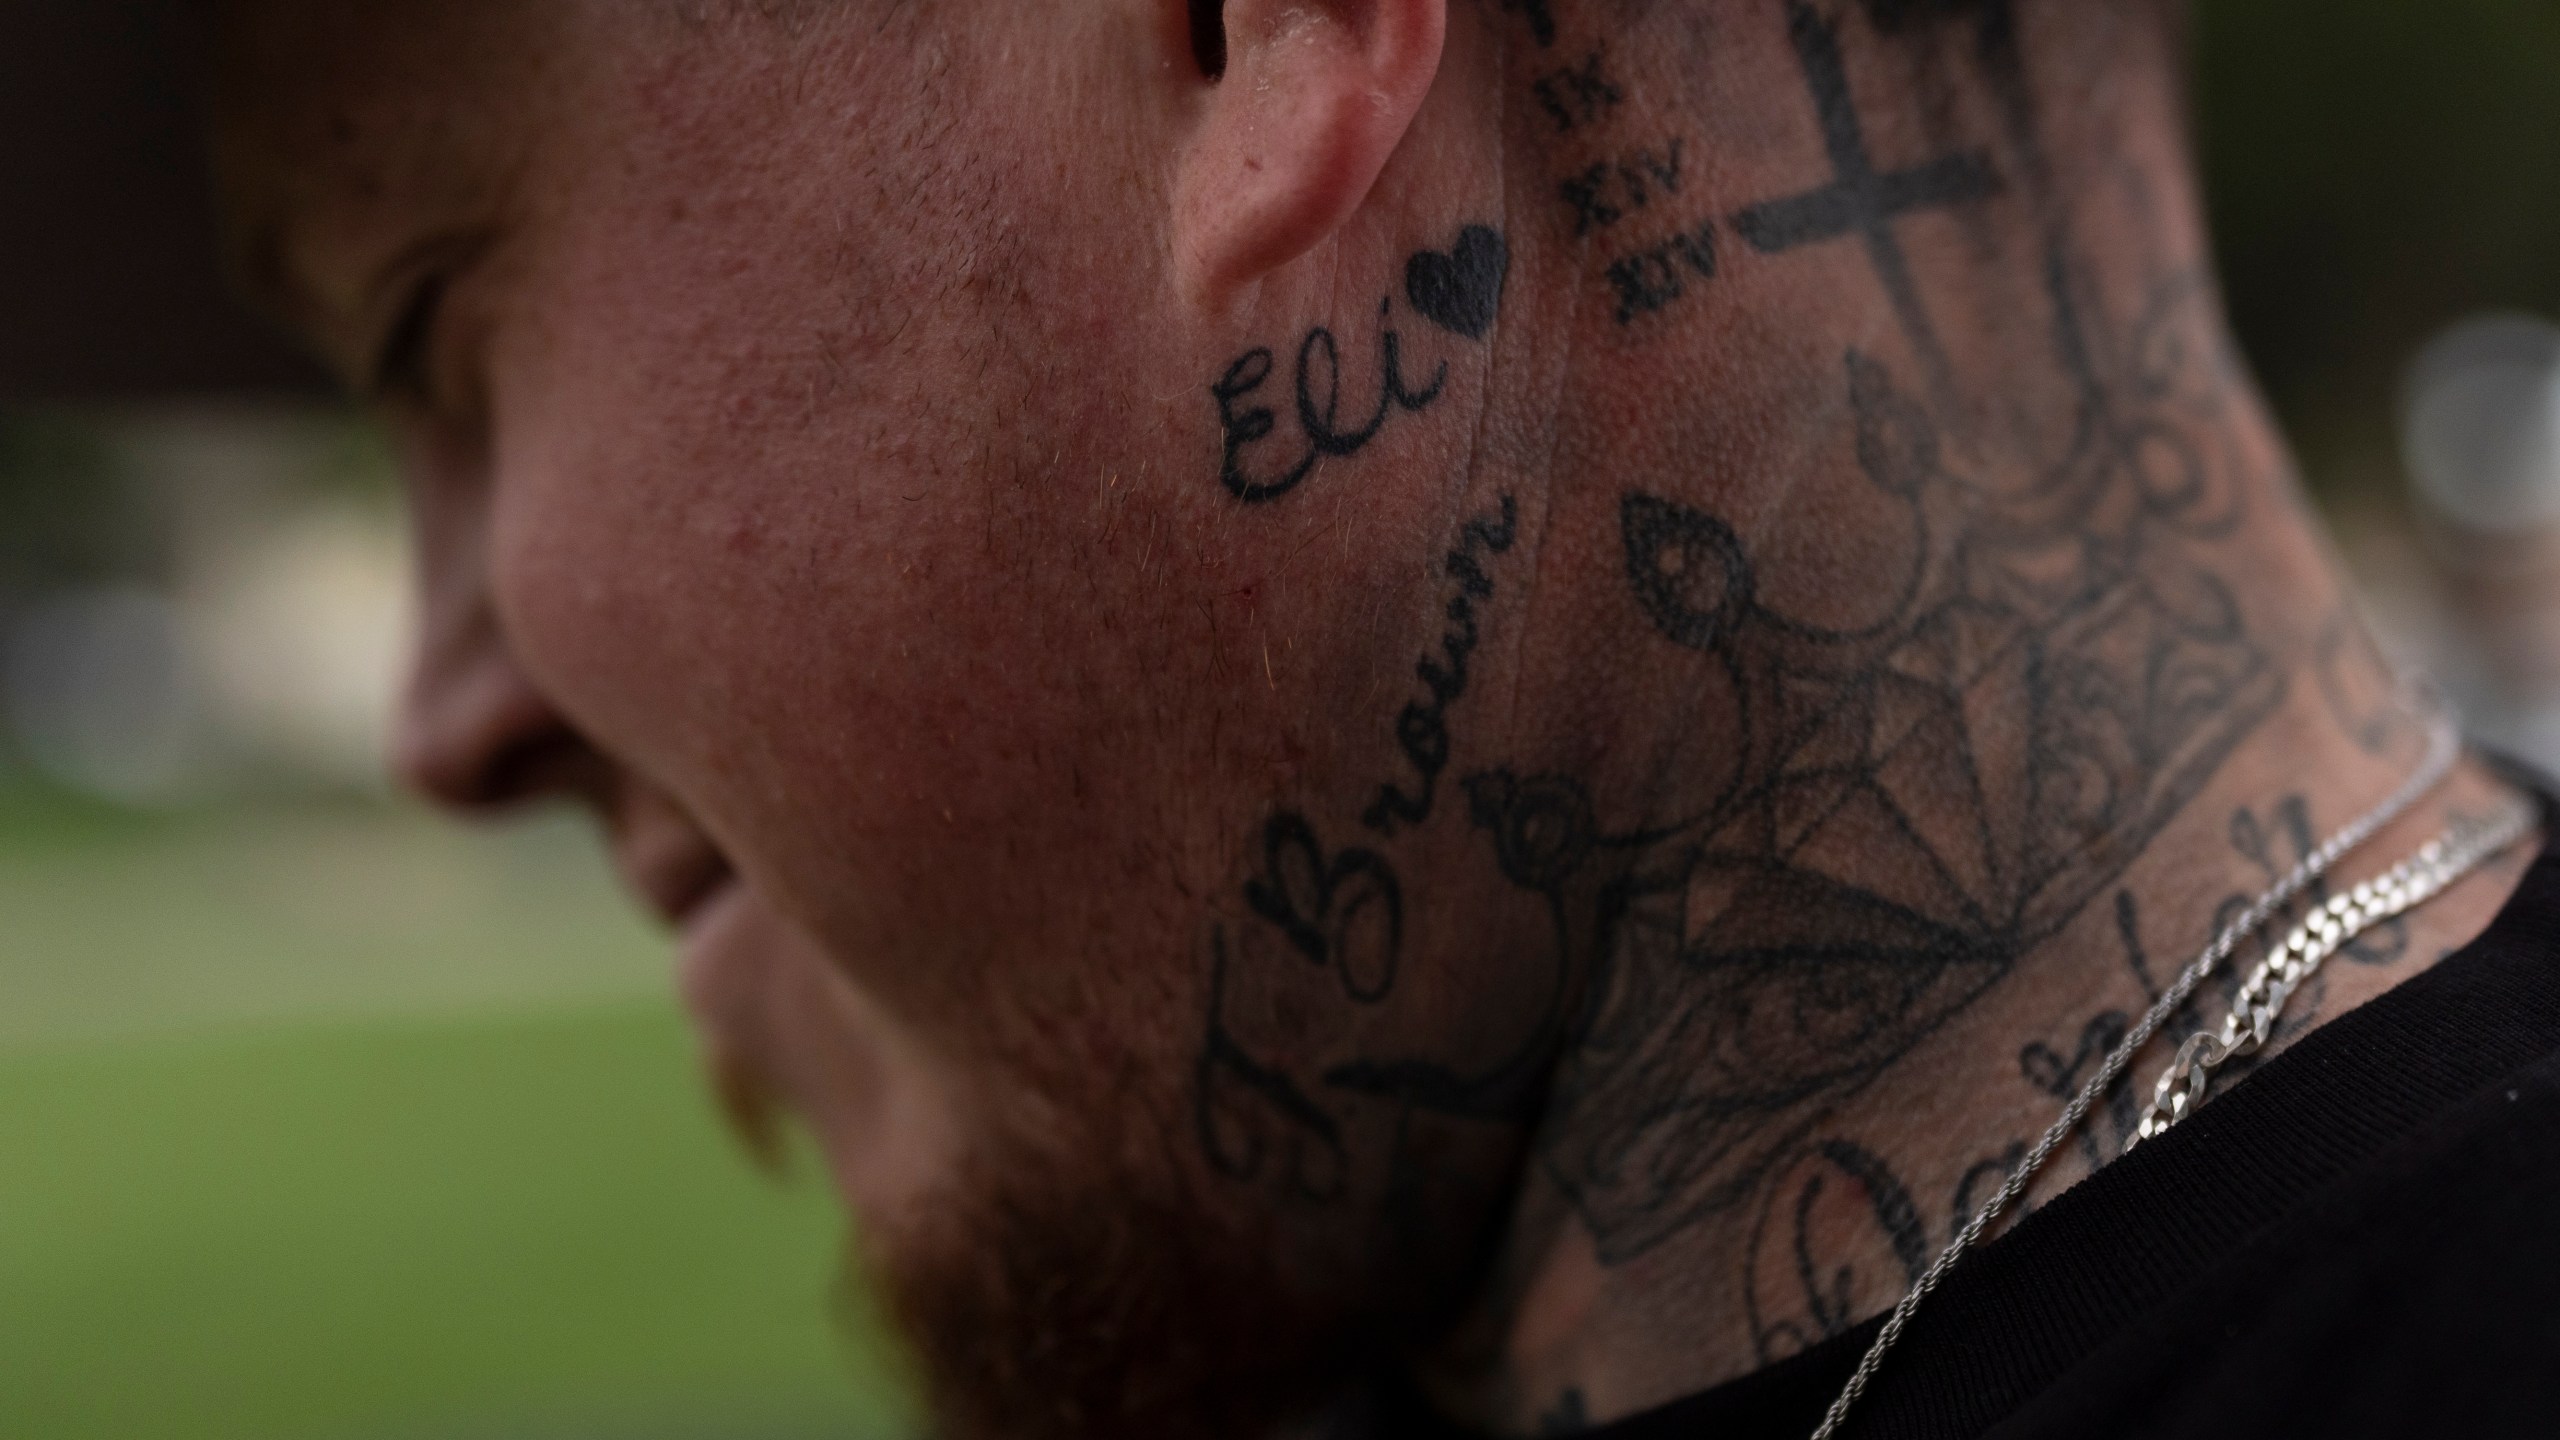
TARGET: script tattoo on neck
(1459,291)
(1342,912)
(1422,727)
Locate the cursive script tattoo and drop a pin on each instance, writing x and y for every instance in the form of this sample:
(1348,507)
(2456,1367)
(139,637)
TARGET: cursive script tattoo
(1422,727)
(1794,1294)
(1319,410)
(1459,291)
(1345,912)
(1280,1115)
(1254,1122)
(2060,1076)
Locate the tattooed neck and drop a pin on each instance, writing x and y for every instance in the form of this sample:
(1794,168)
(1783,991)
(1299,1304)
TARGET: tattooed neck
(1911,642)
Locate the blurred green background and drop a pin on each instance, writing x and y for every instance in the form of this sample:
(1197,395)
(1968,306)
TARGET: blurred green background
(319,1117)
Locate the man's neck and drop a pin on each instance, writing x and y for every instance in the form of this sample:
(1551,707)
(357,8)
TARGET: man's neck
(1986,657)
(1634,1271)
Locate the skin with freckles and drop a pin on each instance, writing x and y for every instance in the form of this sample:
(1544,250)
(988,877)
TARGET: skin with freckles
(1483,692)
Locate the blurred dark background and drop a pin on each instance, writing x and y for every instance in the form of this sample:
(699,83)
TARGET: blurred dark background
(2377,169)
(319,1117)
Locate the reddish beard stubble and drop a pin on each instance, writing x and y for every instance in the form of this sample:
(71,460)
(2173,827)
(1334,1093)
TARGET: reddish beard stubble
(1053,1291)
(1072,1271)
(1065,1264)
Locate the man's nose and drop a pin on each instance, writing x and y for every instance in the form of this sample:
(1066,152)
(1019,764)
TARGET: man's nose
(474,732)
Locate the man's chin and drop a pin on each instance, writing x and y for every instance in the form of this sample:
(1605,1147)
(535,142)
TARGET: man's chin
(1041,1304)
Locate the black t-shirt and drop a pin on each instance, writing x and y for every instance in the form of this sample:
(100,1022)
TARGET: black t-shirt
(2360,1238)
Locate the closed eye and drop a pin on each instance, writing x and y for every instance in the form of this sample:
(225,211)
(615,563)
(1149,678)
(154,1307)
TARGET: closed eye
(401,369)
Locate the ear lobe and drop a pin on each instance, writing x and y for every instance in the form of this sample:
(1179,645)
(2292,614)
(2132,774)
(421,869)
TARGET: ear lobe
(1316,95)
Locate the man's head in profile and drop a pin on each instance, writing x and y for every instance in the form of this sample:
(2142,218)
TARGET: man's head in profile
(1340,687)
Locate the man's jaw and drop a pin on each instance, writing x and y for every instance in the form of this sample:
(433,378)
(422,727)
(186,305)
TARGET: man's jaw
(991,1253)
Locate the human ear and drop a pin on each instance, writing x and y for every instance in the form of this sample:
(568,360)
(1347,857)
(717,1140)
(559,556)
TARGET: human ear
(1315,96)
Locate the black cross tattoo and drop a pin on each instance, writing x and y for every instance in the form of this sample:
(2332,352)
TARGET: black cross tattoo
(1859,200)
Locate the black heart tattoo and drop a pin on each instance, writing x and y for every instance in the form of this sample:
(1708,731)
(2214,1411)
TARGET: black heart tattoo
(1462,290)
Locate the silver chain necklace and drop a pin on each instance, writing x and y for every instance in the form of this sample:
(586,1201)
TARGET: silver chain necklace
(2322,933)
(2444,748)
